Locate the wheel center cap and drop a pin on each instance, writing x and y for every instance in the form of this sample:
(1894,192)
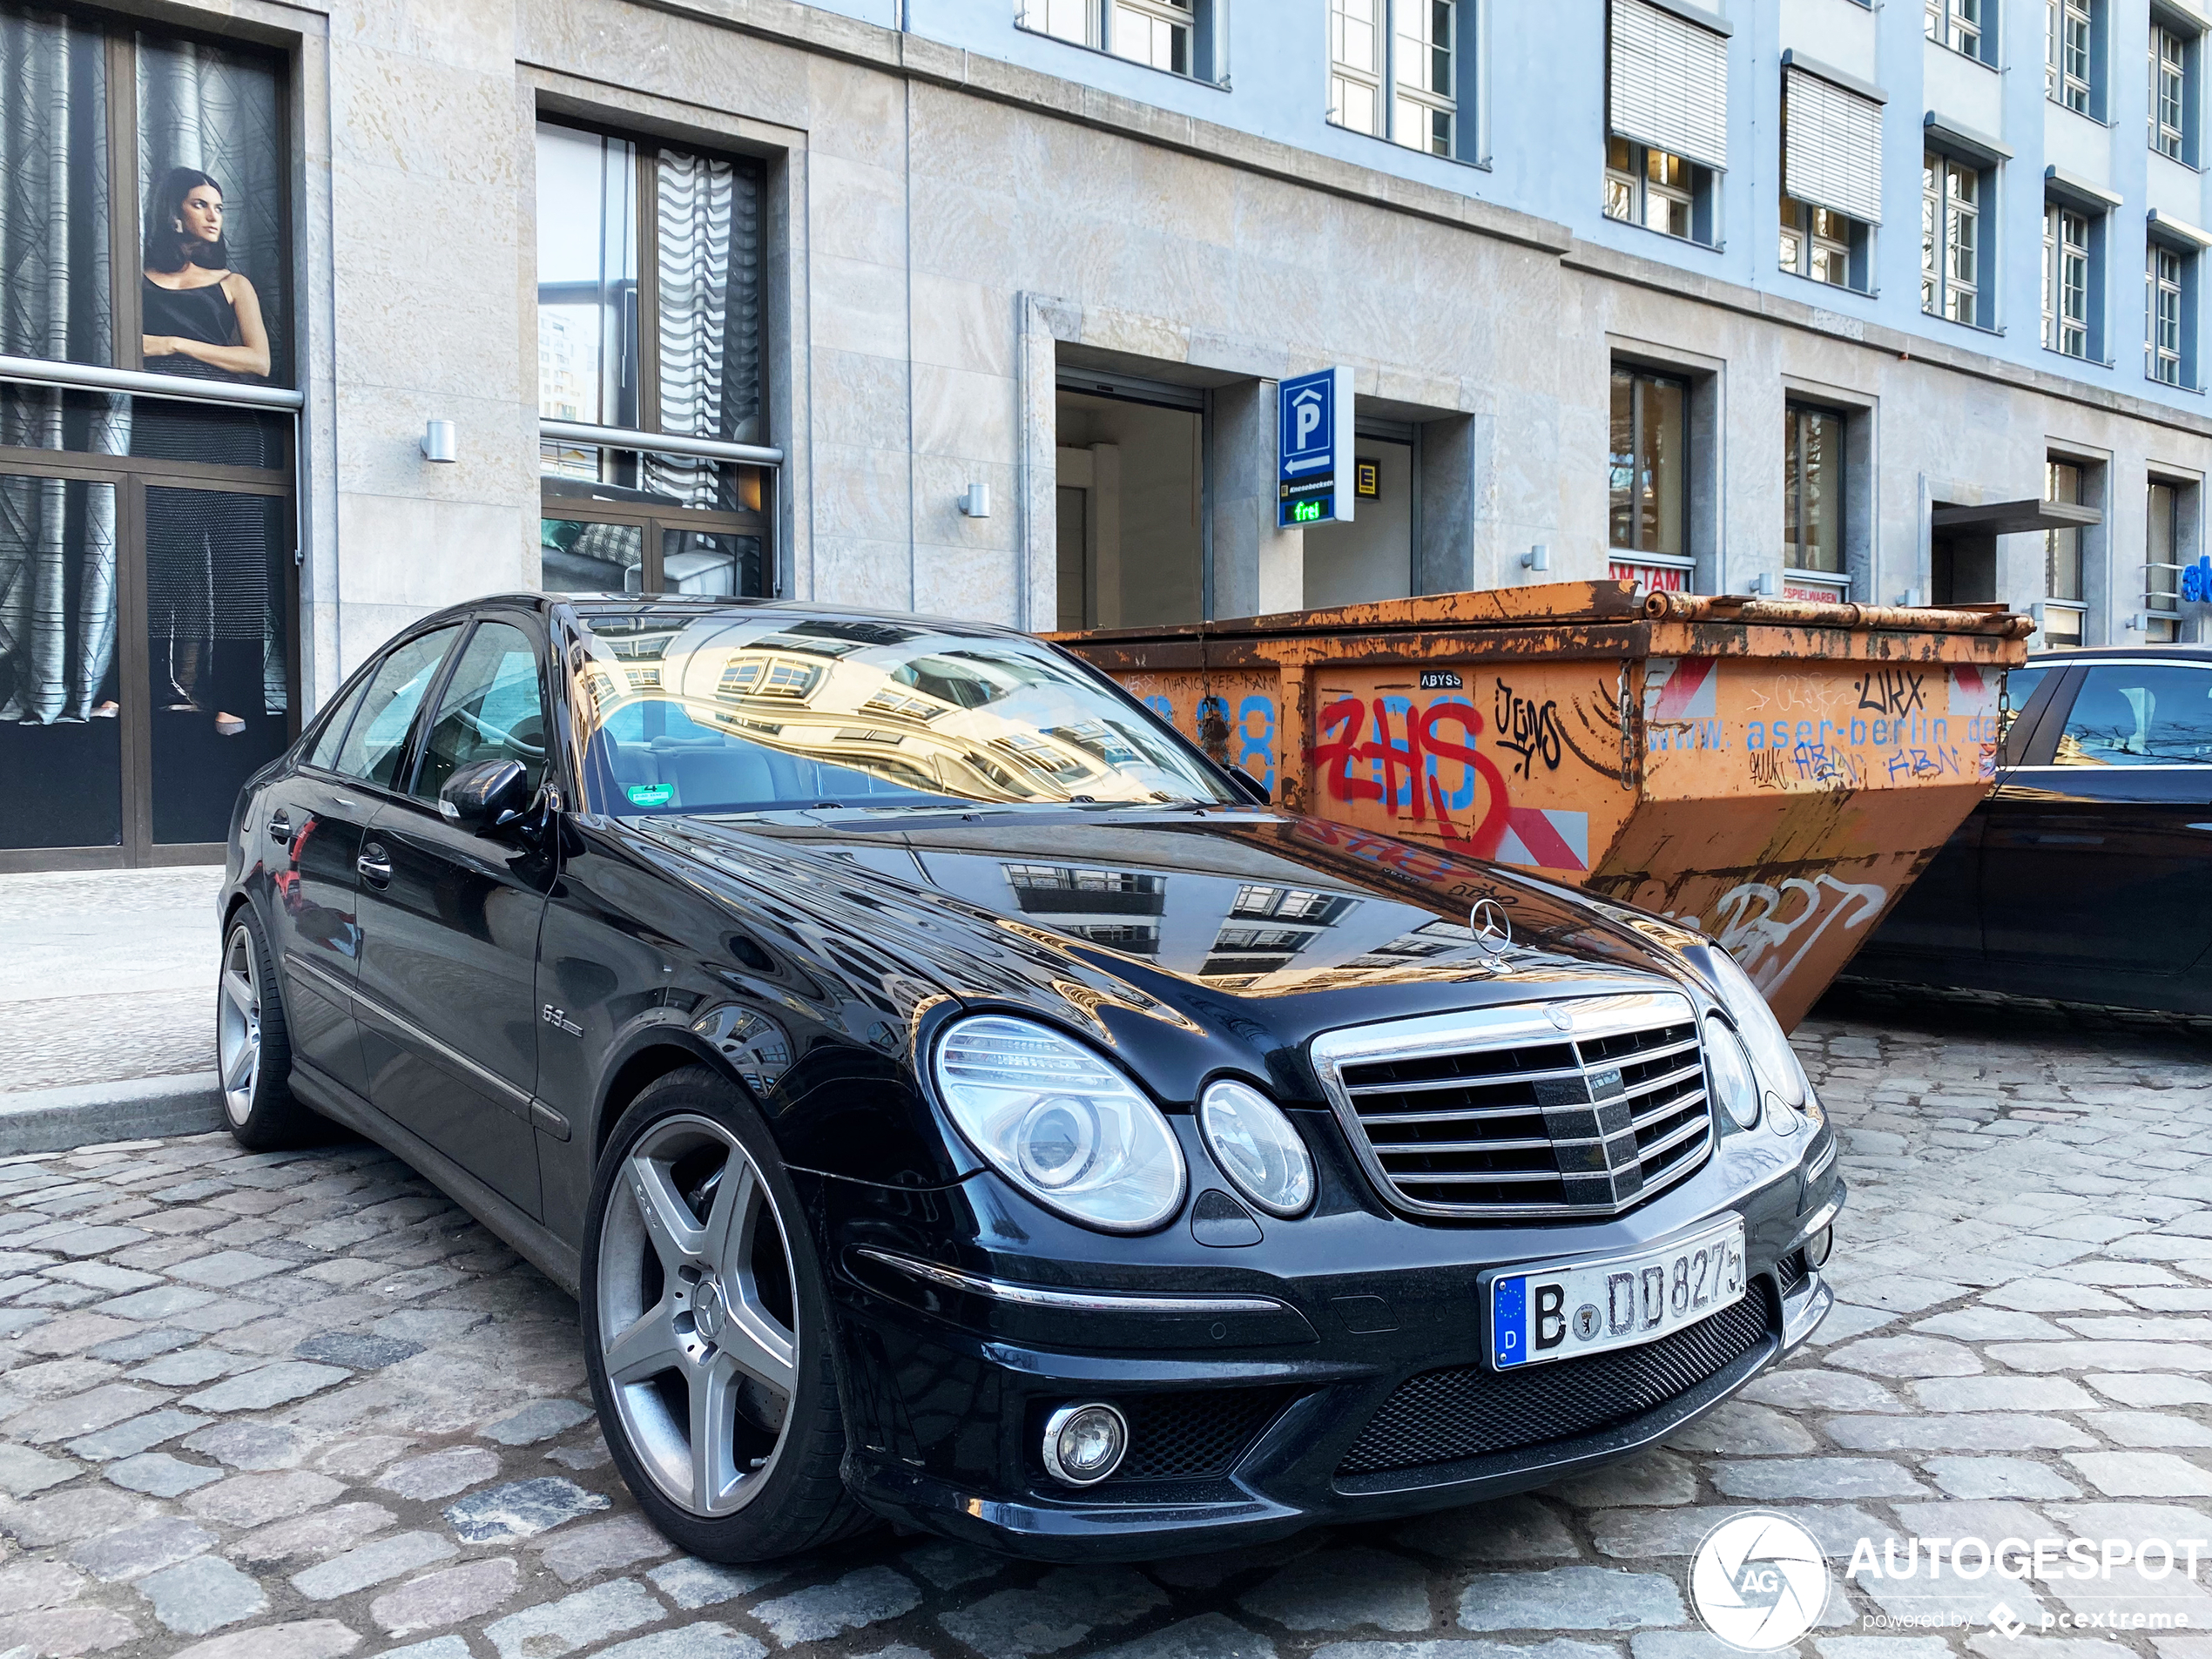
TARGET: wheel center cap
(710,1308)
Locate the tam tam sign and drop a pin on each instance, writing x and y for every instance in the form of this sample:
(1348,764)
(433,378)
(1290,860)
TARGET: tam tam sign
(2196,580)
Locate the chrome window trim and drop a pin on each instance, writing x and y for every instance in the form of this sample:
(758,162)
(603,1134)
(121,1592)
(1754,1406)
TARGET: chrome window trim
(1589,1017)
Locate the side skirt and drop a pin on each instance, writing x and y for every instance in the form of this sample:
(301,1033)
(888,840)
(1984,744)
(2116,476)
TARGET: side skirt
(559,1262)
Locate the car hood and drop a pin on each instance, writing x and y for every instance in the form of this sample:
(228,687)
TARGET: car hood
(1244,926)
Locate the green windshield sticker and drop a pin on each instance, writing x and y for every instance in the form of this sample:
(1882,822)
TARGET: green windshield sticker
(651,794)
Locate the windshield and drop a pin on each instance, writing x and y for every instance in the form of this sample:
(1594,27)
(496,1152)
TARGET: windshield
(754,711)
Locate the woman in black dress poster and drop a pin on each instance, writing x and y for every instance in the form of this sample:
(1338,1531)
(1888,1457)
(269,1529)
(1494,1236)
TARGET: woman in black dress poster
(213,580)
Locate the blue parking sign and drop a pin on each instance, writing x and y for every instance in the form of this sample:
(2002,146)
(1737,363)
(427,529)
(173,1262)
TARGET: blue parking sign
(1314,485)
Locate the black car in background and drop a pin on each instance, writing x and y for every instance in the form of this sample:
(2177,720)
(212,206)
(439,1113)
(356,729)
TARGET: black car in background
(952,1098)
(2086,875)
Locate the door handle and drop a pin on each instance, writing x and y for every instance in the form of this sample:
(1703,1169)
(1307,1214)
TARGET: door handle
(374,864)
(280,830)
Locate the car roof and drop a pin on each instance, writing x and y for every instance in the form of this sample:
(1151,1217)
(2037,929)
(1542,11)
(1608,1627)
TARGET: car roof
(2199,655)
(584,609)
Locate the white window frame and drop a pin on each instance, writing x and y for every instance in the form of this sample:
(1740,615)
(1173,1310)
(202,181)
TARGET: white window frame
(1404,112)
(1635,191)
(2067,284)
(1963,26)
(2170,91)
(2164,294)
(1943,216)
(1804,243)
(1110,26)
(2069,54)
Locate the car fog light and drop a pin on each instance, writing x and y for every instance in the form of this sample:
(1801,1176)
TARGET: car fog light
(1818,1245)
(1785,1121)
(1083,1444)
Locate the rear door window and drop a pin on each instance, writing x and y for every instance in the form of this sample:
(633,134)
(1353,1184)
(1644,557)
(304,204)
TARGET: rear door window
(2148,714)
(377,742)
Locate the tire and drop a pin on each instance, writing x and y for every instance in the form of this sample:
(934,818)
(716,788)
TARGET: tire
(706,1330)
(253,1046)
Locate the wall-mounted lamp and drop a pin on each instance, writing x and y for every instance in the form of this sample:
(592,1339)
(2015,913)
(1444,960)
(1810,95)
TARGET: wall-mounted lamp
(1538,558)
(440,443)
(975,501)
(1763,584)
(2133,625)
(1912,598)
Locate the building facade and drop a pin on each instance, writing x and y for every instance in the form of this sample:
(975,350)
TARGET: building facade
(320,316)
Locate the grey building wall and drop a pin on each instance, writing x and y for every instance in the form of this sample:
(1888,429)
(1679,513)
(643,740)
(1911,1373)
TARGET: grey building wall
(950,231)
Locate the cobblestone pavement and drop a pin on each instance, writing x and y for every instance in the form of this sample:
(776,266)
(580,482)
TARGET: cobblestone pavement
(298,1407)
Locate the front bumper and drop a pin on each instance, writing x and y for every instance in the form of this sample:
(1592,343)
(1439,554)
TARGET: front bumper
(1268,1388)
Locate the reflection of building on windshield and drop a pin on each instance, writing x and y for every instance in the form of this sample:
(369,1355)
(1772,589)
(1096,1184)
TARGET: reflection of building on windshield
(731,712)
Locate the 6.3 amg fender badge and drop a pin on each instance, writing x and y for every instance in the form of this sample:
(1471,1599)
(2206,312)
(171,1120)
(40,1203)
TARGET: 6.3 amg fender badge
(552,1016)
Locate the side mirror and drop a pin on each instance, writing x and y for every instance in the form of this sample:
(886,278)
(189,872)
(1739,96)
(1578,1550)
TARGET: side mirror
(1260,793)
(485,795)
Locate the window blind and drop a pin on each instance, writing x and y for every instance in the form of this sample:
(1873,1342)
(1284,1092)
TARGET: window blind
(1669,83)
(1831,151)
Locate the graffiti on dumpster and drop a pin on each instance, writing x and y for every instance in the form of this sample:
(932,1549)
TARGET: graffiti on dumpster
(1885,726)
(1772,927)
(1527,728)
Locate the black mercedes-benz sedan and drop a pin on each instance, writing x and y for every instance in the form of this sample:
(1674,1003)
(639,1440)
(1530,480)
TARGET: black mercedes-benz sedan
(952,1098)
(2086,876)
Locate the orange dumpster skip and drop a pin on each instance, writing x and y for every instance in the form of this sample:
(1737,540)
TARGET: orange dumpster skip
(1774,772)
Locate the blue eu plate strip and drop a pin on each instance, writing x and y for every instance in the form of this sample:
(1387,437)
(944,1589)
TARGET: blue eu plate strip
(1508,1322)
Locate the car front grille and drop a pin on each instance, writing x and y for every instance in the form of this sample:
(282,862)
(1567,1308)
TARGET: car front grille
(1586,1106)
(1467,1412)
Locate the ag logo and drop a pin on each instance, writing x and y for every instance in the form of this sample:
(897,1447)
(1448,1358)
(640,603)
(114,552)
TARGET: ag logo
(1758,1581)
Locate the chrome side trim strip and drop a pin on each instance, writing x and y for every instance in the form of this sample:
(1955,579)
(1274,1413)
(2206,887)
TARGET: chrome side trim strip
(320,977)
(515,1100)
(1037,1296)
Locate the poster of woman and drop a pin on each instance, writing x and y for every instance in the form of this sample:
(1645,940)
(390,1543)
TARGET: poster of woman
(211,584)
(200,317)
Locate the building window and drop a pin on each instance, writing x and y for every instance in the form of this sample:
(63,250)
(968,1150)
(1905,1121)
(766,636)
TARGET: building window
(1648,464)
(2170,52)
(1161,34)
(2062,609)
(148,603)
(2162,563)
(2069,39)
(1958,25)
(2163,269)
(1822,243)
(1951,240)
(1663,193)
(2066,281)
(1413,47)
(1812,491)
(649,284)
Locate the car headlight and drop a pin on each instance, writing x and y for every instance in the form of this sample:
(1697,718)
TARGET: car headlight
(1777,1063)
(1257,1146)
(1063,1124)
(1730,1066)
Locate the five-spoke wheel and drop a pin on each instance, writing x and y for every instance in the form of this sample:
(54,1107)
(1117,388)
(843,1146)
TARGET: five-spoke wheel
(699,1333)
(237,1026)
(707,1328)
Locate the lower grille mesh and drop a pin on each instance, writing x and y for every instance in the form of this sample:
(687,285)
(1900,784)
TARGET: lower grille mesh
(1187,1436)
(1466,1412)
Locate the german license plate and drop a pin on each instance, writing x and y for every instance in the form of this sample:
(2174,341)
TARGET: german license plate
(1564,1310)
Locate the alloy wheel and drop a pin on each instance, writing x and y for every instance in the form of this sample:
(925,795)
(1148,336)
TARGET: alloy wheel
(237,1026)
(699,1322)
